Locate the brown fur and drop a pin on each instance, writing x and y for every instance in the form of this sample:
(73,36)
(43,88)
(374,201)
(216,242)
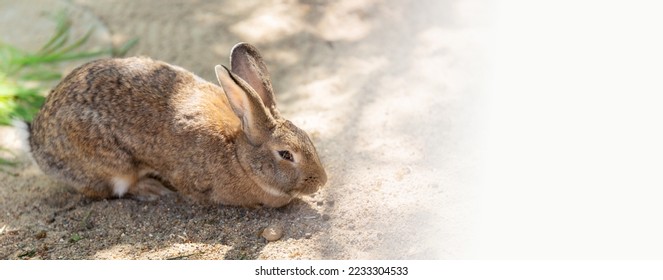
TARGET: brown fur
(151,125)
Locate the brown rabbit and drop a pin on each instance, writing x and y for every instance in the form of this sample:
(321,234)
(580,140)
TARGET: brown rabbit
(140,127)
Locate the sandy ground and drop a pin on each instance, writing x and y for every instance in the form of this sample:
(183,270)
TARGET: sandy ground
(385,89)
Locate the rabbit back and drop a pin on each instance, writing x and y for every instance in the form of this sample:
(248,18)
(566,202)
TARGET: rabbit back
(113,121)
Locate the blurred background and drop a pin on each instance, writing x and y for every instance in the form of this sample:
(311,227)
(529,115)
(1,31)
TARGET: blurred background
(384,88)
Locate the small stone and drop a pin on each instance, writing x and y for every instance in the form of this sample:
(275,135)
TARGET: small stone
(330,203)
(320,203)
(308,235)
(325,217)
(41,234)
(400,175)
(272,233)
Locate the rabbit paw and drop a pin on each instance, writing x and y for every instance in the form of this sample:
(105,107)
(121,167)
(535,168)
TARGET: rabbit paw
(148,189)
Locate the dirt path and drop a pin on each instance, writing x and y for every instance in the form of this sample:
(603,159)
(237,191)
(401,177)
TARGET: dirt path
(383,87)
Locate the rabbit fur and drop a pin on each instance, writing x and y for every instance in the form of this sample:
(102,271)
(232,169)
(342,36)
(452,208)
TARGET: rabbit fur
(144,128)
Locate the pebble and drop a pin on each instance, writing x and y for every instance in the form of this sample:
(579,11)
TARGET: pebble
(272,233)
(330,203)
(308,235)
(41,234)
(320,203)
(325,217)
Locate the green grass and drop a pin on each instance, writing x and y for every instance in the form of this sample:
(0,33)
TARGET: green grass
(24,75)
(6,163)
(75,237)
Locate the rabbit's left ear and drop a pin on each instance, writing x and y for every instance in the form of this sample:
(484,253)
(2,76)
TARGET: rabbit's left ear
(247,63)
(256,121)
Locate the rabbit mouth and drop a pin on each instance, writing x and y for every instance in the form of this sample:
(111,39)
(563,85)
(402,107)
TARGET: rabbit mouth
(309,189)
(272,190)
(303,191)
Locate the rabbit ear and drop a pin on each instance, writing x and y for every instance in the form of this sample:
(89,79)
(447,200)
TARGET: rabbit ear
(246,62)
(245,102)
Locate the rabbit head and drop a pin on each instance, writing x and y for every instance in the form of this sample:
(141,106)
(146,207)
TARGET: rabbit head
(278,156)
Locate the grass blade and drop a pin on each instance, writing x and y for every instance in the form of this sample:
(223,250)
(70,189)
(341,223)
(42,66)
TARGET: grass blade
(63,25)
(122,50)
(41,75)
(78,42)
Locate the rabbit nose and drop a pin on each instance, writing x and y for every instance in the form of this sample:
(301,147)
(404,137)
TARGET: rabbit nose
(311,184)
(316,181)
(323,178)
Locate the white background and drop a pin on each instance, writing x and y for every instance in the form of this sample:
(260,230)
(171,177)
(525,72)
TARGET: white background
(572,134)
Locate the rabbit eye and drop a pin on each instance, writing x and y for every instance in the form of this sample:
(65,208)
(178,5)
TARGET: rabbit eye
(286,155)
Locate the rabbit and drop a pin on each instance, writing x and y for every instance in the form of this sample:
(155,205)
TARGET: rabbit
(143,128)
